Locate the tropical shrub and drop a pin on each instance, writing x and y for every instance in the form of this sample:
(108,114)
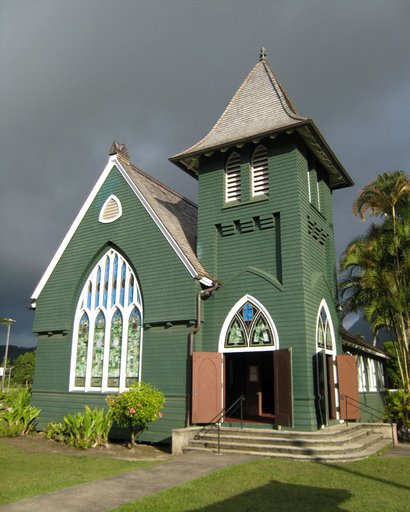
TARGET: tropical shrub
(137,407)
(376,266)
(18,416)
(398,409)
(86,429)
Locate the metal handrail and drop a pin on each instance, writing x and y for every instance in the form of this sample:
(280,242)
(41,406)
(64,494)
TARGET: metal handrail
(216,421)
(381,413)
(380,417)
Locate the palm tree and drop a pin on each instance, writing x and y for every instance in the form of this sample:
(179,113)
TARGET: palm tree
(376,279)
(387,194)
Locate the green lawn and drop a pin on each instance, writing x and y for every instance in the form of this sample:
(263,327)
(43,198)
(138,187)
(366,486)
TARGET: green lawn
(25,474)
(377,484)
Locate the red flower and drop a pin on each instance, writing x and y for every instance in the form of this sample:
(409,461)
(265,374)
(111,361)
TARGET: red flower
(160,415)
(132,410)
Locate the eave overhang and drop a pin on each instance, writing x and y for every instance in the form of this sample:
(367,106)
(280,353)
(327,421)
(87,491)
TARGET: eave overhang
(306,129)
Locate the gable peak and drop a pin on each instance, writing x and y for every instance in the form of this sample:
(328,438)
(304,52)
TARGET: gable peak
(263,56)
(119,149)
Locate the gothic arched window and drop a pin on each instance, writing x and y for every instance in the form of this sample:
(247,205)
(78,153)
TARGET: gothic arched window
(107,328)
(248,327)
(324,329)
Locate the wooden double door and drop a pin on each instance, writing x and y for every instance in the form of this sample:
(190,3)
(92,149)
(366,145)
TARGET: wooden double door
(336,388)
(263,378)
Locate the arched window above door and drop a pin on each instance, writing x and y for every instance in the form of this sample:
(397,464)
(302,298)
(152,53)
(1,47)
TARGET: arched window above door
(325,337)
(248,327)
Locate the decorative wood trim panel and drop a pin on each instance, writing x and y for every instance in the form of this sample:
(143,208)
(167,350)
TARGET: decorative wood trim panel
(207,386)
(348,387)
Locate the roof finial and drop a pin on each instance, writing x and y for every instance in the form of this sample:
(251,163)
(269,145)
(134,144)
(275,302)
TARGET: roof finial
(119,149)
(263,56)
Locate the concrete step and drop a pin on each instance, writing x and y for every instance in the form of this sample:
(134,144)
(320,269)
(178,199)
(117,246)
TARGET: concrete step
(306,449)
(301,440)
(329,458)
(339,443)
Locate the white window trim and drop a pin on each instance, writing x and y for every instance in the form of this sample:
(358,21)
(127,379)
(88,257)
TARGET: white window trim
(380,375)
(371,371)
(361,374)
(309,188)
(241,302)
(108,314)
(112,162)
(324,305)
(331,352)
(118,203)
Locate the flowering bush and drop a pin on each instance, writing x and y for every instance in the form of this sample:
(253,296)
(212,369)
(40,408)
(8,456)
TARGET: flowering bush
(137,407)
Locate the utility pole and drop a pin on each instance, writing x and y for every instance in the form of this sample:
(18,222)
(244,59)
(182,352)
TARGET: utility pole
(7,322)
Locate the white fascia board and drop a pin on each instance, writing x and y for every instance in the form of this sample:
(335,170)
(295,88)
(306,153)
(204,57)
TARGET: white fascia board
(206,281)
(188,265)
(112,161)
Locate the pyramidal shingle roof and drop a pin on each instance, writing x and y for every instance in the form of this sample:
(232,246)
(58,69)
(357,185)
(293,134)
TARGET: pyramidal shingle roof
(261,107)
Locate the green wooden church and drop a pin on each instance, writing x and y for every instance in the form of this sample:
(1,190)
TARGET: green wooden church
(235,297)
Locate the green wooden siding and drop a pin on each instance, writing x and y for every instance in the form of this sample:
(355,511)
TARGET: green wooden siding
(54,406)
(289,268)
(135,234)
(278,248)
(168,294)
(373,408)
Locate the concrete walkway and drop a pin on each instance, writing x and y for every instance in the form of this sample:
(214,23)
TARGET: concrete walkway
(108,493)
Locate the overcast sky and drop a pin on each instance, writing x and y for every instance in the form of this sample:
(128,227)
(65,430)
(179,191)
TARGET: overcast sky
(156,75)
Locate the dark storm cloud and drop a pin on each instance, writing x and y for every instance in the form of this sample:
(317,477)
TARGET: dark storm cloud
(157,75)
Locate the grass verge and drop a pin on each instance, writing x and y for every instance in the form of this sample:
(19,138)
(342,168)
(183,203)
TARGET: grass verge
(371,485)
(25,474)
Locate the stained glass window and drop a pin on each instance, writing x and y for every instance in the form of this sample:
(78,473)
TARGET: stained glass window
(248,328)
(114,361)
(97,294)
(131,290)
(133,348)
(324,334)
(90,291)
(82,346)
(122,289)
(235,337)
(106,278)
(261,334)
(114,281)
(108,330)
(98,351)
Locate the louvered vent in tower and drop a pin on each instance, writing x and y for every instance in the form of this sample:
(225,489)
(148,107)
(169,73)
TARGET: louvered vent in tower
(111,210)
(233,178)
(260,174)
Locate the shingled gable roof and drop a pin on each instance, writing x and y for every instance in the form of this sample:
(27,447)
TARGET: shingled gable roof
(175,216)
(261,107)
